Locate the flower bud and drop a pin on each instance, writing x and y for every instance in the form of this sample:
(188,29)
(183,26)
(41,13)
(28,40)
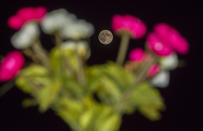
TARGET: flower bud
(137,55)
(153,70)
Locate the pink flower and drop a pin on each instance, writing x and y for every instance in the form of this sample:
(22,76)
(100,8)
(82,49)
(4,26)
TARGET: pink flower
(25,15)
(130,24)
(158,45)
(11,65)
(137,55)
(153,70)
(172,37)
(15,22)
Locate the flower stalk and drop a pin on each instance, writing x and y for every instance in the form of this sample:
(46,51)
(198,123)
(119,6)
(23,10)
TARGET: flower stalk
(28,52)
(125,37)
(41,53)
(80,72)
(141,76)
(63,60)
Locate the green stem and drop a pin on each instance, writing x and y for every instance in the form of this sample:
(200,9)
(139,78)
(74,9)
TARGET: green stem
(80,72)
(141,76)
(57,40)
(123,48)
(41,53)
(63,59)
(28,52)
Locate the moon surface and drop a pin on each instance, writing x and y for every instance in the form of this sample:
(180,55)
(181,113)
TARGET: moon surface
(105,37)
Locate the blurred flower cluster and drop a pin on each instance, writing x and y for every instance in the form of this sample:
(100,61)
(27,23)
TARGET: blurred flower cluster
(90,98)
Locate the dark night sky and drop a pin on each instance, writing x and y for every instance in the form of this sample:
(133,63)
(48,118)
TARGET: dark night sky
(181,97)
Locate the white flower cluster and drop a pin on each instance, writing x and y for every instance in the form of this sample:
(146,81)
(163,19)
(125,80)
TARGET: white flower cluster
(26,36)
(66,25)
(163,77)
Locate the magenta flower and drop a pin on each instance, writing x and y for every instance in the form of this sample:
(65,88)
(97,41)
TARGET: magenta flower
(172,37)
(158,45)
(137,55)
(130,24)
(153,70)
(25,15)
(11,65)
(15,22)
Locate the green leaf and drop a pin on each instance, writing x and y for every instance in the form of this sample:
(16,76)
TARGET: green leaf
(92,79)
(109,120)
(85,118)
(149,101)
(29,102)
(98,117)
(113,81)
(70,110)
(109,91)
(117,74)
(48,94)
(88,115)
(71,87)
(145,99)
(35,80)
(31,79)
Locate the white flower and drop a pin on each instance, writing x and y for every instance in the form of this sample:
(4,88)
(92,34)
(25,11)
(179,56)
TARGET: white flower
(77,30)
(26,36)
(169,62)
(56,20)
(161,79)
(81,47)
(67,25)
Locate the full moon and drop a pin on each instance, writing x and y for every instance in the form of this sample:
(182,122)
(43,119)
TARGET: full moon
(105,37)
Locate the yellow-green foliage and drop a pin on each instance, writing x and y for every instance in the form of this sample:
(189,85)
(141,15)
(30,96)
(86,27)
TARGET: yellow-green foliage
(96,105)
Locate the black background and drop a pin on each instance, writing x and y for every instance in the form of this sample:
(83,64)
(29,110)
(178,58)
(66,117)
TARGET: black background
(182,97)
